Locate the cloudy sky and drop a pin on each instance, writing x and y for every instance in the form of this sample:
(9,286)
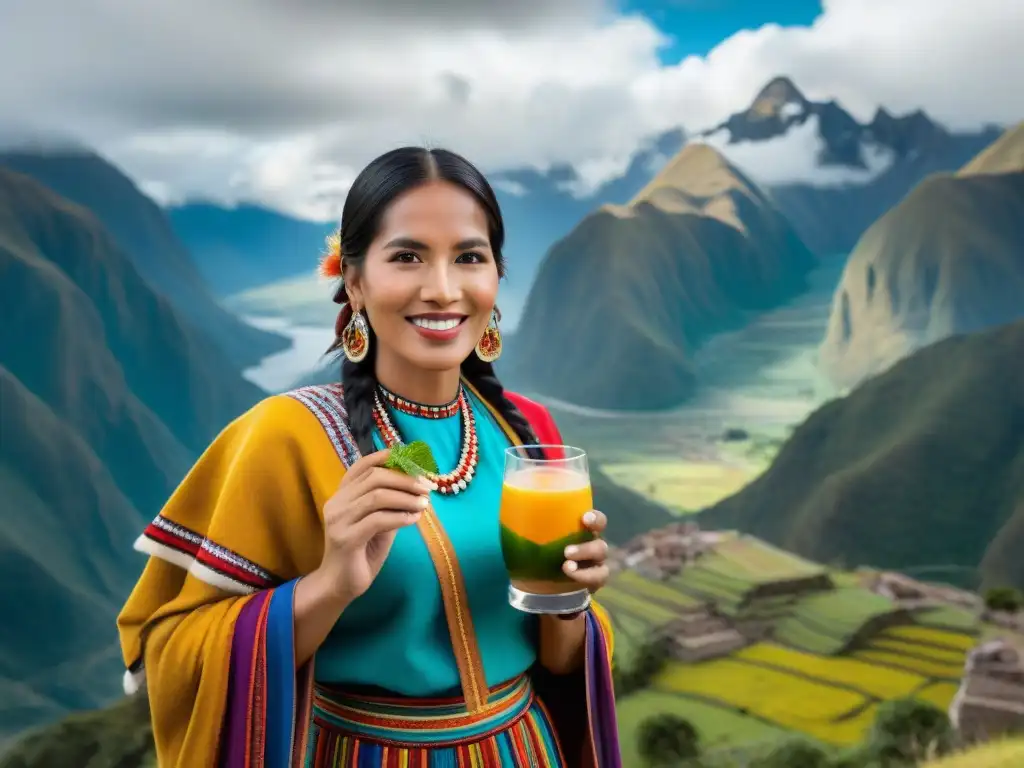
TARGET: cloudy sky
(282,101)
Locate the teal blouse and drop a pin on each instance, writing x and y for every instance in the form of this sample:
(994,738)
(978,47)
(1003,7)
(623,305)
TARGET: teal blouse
(395,636)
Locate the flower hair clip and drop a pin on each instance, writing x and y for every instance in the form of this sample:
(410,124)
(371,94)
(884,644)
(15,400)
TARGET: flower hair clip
(330,262)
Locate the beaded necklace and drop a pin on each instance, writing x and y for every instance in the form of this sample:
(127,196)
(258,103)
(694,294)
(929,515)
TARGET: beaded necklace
(412,408)
(450,482)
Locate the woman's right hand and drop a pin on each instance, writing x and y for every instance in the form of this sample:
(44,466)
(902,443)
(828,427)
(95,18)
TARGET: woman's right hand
(361,520)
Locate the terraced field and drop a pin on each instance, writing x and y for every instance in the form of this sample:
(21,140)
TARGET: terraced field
(937,653)
(951,618)
(738,568)
(836,650)
(880,682)
(761,562)
(833,699)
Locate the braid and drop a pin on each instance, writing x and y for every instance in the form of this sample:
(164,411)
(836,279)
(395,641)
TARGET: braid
(482,376)
(360,382)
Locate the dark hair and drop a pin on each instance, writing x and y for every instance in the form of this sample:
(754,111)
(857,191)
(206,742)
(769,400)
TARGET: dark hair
(373,190)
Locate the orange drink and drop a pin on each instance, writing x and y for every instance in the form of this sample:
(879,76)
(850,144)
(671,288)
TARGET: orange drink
(542,506)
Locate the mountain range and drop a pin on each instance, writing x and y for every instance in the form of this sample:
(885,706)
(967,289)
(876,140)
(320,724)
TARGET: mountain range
(248,246)
(619,303)
(860,170)
(922,463)
(919,466)
(107,395)
(949,258)
(856,172)
(142,230)
(849,173)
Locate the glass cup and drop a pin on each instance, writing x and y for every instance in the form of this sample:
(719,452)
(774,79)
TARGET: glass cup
(543,501)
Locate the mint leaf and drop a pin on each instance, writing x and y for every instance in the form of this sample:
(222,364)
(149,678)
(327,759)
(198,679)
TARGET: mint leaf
(413,459)
(419,453)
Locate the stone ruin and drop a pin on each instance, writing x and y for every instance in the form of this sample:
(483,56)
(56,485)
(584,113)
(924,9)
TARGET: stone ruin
(1013,621)
(700,633)
(910,593)
(990,700)
(663,553)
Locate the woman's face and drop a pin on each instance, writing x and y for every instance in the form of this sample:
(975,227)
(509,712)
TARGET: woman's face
(429,281)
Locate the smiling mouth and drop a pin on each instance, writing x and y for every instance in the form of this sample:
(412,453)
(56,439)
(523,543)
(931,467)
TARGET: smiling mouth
(446,323)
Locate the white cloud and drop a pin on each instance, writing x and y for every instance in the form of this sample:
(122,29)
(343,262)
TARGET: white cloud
(284,102)
(793,158)
(513,187)
(790,109)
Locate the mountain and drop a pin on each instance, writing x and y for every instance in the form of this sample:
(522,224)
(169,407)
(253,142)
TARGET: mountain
(66,532)
(922,465)
(106,397)
(143,232)
(70,283)
(948,259)
(237,249)
(620,302)
(1006,155)
(119,736)
(860,170)
(780,106)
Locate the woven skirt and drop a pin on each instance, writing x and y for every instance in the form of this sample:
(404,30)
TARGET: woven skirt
(513,731)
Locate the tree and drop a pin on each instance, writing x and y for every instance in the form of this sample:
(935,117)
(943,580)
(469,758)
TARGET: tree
(650,658)
(1004,599)
(665,739)
(641,667)
(909,730)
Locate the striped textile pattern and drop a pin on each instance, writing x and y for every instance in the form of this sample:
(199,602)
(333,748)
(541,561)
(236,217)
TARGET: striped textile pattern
(513,731)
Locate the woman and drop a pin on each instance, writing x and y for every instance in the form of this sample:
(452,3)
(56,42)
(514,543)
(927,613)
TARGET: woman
(290,540)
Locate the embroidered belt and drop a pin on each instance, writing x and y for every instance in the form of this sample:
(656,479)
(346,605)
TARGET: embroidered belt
(413,722)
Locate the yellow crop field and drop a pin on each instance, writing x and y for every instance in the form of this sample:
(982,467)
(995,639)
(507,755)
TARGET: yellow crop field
(850,730)
(939,694)
(911,664)
(681,485)
(930,635)
(779,697)
(883,682)
(941,655)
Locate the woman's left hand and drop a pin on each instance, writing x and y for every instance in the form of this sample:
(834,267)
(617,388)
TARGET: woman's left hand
(585,563)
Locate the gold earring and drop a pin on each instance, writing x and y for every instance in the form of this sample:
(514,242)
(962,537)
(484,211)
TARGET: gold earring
(488,348)
(355,339)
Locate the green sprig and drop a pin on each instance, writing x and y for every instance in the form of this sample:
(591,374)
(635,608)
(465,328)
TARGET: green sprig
(414,459)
